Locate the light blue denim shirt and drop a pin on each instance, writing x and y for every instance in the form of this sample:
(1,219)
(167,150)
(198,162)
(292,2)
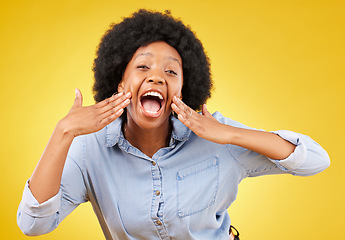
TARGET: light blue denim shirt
(182,192)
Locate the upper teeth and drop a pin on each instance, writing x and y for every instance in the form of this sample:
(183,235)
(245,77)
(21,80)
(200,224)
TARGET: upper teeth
(154,94)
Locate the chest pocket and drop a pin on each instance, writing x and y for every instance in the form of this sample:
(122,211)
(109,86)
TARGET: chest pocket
(197,187)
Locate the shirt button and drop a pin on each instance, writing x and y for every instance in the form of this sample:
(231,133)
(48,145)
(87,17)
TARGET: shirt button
(158,192)
(154,163)
(159,223)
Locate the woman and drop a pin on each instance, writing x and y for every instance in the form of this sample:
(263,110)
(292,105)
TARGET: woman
(149,173)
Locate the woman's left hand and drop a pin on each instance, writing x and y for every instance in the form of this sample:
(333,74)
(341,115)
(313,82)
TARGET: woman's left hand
(205,125)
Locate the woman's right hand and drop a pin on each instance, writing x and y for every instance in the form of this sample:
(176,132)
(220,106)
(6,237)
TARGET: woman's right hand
(84,120)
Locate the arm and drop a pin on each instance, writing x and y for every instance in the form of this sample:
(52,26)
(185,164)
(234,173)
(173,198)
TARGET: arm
(291,152)
(207,127)
(266,143)
(46,178)
(57,187)
(35,218)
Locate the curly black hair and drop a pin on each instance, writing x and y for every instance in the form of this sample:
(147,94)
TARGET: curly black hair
(121,41)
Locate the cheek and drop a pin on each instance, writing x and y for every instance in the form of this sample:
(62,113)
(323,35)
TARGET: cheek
(129,87)
(178,91)
(175,91)
(133,83)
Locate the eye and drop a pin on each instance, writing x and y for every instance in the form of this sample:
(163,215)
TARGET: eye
(171,72)
(143,67)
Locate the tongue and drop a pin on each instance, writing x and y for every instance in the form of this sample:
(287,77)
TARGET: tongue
(151,105)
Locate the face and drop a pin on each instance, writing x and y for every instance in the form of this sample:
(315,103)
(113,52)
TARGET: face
(153,76)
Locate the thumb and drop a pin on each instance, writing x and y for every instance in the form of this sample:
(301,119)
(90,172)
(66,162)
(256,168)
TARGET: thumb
(78,101)
(205,112)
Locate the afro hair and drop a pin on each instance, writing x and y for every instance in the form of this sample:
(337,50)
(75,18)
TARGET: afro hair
(120,42)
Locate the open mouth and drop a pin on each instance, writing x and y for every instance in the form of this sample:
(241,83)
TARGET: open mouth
(151,103)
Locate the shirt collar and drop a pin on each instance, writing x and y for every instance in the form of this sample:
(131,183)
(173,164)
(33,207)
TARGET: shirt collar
(114,133)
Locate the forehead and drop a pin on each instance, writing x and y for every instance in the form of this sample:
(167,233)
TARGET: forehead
(160,50)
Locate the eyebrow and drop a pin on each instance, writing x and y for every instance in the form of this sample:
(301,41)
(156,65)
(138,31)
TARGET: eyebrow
(144,54)
(174,59)
(151,55)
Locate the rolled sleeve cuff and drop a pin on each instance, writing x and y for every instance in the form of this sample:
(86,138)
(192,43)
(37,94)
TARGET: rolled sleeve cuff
(297,158)
(31,206)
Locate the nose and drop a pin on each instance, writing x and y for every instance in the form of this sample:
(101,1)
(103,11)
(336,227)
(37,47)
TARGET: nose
(156,79)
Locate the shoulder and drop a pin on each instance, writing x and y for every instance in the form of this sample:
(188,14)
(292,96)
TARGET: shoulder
(92,143)
(108,136)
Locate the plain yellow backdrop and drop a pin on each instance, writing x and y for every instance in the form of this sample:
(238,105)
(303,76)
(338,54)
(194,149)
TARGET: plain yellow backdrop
(275,64)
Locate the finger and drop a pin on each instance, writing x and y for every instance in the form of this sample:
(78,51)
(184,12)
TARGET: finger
(121,99)
(121,102)
(205,112)
(112,117)
(109,100)
(115,99)
(181,114)
(78,100)
(182,109)
(115,110)
(189,122)
(185,114)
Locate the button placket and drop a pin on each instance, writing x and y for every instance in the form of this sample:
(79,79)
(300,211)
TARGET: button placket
(157,201)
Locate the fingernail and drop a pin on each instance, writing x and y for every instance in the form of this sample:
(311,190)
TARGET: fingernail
(128,94)
(120,111)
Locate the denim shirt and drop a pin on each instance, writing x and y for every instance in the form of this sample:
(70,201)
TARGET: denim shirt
(182,192)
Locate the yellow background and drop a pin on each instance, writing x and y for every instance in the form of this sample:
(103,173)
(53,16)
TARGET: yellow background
(276,65)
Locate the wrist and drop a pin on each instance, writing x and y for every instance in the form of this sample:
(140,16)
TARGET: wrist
(231,134)
(64,129)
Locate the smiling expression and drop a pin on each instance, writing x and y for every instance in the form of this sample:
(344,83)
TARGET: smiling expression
(153,76)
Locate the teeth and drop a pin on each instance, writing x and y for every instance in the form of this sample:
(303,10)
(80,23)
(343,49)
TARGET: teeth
(150,111)
(154,94)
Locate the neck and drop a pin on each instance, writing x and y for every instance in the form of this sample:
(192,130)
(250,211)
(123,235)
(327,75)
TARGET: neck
(148,141)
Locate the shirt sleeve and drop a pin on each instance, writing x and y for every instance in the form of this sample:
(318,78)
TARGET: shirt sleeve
(35,218)
(308,158)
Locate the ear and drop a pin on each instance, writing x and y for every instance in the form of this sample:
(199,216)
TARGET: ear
(120,87)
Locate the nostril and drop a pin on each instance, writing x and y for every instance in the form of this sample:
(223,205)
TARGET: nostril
(157,81)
